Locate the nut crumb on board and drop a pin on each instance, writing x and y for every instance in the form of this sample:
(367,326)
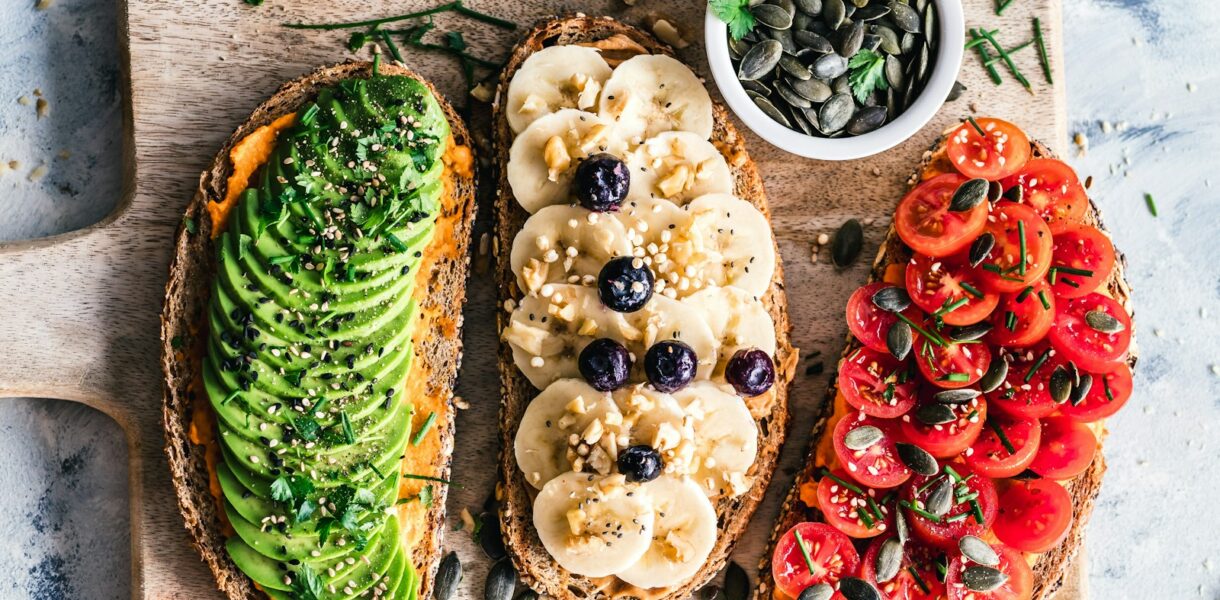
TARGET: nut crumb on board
(42,107)
(38,173)
(24,100)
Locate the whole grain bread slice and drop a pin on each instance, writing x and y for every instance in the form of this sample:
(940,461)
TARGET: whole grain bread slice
(532,561)
(1051,567)
(438,345)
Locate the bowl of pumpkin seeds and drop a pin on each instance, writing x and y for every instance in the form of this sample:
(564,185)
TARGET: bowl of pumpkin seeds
(835,79)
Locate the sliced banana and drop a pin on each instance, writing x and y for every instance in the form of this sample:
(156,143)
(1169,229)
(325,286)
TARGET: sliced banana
(594,526)
(737,321)
(683,534)
(731,244)
(678,166)
(566,244)
(650,417)
(650,94)
(726,438)
(566,416)
(543,158)
(553,79)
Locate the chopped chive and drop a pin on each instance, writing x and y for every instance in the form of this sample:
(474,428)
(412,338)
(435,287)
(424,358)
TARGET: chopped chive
(976,126)
(999,432)
(985,56)
(426,478)
(1010,321)
(348,433)
(279,260)
(1046,61)
(395,242)
(373,22)
(1029,289)
(919,511)
(1021,235)
(1105,383)
(1037,364)
(888,498)
(1151,204)
(1003,4)
(423,429)
(865,517)
(934,338)
(967,497)
(377,63)
(800,543)
(972,290)
(957,377)
(230,397)
(1074,271)
(377,471)
(390,45)
(1070,282)
(876,510)
(931,482)
(1046,302)
(993,268)
(950,307)
(1012,66)
(957,517)
(953,473)
(486,18)
(919,580)
(978,40)
(977,511)
(826,473)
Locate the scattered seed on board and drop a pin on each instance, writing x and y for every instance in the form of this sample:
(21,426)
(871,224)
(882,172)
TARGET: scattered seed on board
(847,243)
(448,575)
(736,583)
(501,581)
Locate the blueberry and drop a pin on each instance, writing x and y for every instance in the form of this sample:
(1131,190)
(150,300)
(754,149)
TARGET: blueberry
(640,463)
(750,372)
(670,365)
(624,284)
(601,182)
(604,363)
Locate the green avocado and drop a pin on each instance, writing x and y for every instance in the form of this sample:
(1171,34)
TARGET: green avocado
(309,347)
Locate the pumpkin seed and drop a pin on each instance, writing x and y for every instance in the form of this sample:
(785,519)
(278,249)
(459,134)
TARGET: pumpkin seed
(821,591)
(810,7)
(738,48)
(501,581)
(889,39)
(862,438)
(941,499)
(871,12)
(859,4)
(490,539)
(736,583)
(1015,193)
(448,576)
(892,298)
(829,66)
(753,94)
(935,414)
(909,42)
(1060,385)
(893,71)
(981,248)
(854,588)
(1080,390)
(852,40)
(813,90)
(760,60)
(812,41)
(871,42)
(1075,372)
(977,550)
(849,239)
(798,116)
(956,92)
(756,86)
(772,16)
(898,340)
(791,97)
(833,13)
(801,20)
(929,21)
(889,560)
(891,103)
(983,579)
(922,61)
(917,459)
(788,5)
(905,17)
(967,333)
(794,67)
(866,120)
(995,375)
(710,592)
(784,37)
(770,110)
(969,195)
(900,525)
(1101,321)
(958,396)
(832,117)
(527,594)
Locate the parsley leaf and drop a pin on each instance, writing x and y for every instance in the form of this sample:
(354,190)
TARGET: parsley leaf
(867,73)
(306,585)
(735,13)
(280,490)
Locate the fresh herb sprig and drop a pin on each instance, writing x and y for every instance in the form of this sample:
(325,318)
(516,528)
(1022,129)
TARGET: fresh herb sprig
(867,73)
(736,14)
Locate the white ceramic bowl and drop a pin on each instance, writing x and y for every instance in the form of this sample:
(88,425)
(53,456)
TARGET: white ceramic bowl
(947,62)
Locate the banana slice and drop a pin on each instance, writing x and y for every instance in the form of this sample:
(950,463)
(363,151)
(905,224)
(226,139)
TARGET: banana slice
(594,526)
(566,244)
(650,94)
(553,79)
(726,438)
(547,333)
(678,166)
(543,158)
(566,416)
(683,534)
(731,244)
(737,320)
(650,417)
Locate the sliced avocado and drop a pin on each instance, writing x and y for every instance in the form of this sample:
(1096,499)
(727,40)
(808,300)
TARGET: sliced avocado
(266,572)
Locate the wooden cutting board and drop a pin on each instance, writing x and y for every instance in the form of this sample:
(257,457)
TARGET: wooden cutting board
(81,310)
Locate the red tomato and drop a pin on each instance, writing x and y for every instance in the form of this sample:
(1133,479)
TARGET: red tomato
(940,284)
(831,557)
(951,365)
(1024,394)
(877,384)
(843,506)
(989,454)
(878,465)
(923,219)
(1082,260)
(948,439)
(1001,270)
(1066,449)
(1078,342)
(1108,393)
(1000,153)
(1019,586)
(1034,515)
(922,584)
(867,323)
(1051,188)
(1023,318)
(947,529)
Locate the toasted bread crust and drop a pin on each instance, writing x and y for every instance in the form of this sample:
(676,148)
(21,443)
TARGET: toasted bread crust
(184,317)
(1051,567)
(532,561)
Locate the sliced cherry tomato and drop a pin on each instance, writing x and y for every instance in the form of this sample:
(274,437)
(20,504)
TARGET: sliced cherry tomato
(1051,188)
(831,557)
(917,578)
(1034,515)
(878,384)
(950,288)
(1019,586)
(1066,449)
(1025,392)
(1082,260)
(868,323)
(1108,393)
(945,530)
(1000,153)
(999,458)
(950,365)
(847,506)
(923,219)
(1009,223)
(1023,318)
(1079,342)
(947,439)
(878,465)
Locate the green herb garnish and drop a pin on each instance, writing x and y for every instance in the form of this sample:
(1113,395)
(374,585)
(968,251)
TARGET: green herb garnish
(736,14)
(867,73)
(1042,56)
(1151,204)
(800,543)
(423,429)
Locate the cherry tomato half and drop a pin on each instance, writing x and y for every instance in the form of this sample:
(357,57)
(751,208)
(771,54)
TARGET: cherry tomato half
(947,439)
(1108,393)
(951,365)
(1065,450)
(847,507)
(1080,342)
(950,288)
(944,531)
(1000,153)
(1051,188)
(1025,392)
(917,578)
(923,219)
(1023,318)
(878,465)
(831,557)
(1009,223)
(868,323)
(1083,258)
(991,456)
(878,384)
(1019,586)
(1034,515)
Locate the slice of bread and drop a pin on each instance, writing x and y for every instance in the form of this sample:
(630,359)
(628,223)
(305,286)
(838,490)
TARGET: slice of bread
(438,349)
(1050,567)
(533,562)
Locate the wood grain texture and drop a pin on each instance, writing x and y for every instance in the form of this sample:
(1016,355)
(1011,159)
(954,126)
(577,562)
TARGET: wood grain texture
(81,310)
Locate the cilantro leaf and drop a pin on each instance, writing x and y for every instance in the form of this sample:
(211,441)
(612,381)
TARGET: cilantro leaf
(304,511)
(867,73)
(306,585)
(280,490)
(736,14)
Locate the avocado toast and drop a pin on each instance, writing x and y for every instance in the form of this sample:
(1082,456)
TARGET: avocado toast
(311,338)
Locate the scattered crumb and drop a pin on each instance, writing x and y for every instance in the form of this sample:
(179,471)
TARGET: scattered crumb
(814,258)
(4,168)
(460,403)
(38,173)
(38,92)
(1107,127)
(877,171)
(24,101)
(467,520)
(1149,409)
(1216,369)
(669,33)
(1158,332)
(42,107)
(1143,462)
(14,164)
(1190,87)
(973,108)
(1202,312)
(823,239)
(869,221)
(43,4)
(484,92)
(64,154)
(1207,564)
(1082,142)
